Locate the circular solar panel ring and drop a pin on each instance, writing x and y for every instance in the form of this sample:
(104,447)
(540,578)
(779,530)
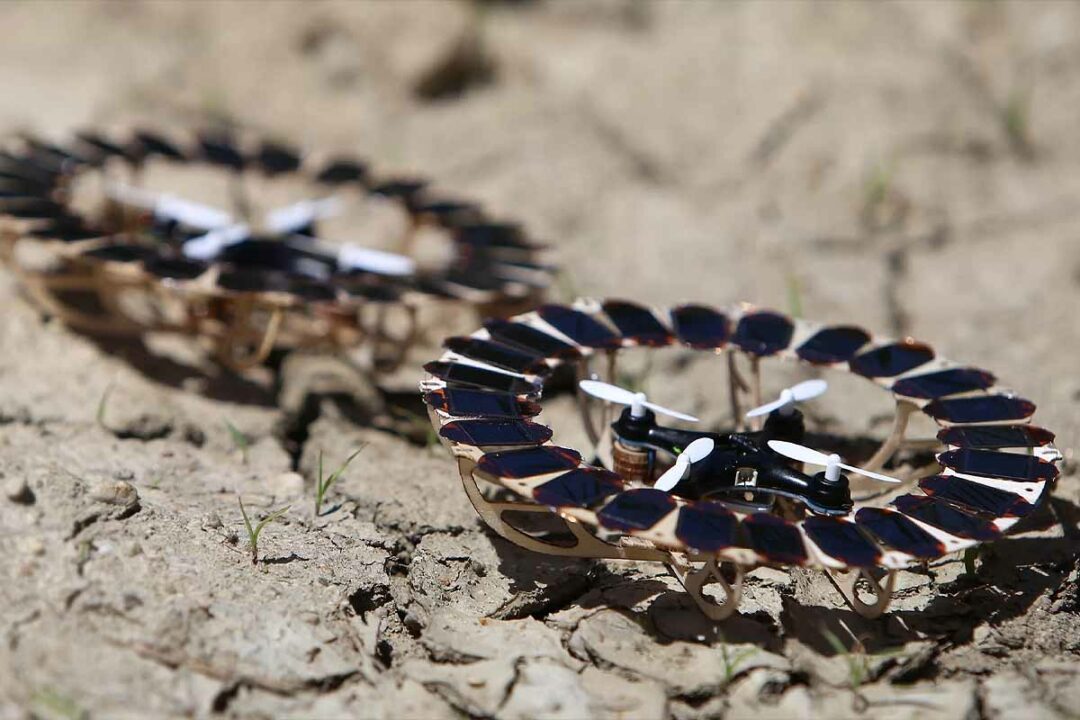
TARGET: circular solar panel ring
(993,467)
(96,204)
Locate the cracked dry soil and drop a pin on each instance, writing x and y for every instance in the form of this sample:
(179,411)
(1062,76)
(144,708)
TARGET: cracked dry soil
(910,167)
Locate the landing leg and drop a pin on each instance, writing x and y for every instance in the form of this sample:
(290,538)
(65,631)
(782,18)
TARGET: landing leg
(693,581)
(896,437)
(846,581)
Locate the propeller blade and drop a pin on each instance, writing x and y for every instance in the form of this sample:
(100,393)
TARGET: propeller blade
(607,391)
(813,457)
(806,390)
(622,396)
(699,449)
(670,413)
(766,408)
(207,247)
(694,452)
(291,218)
(872,475)
(170,207)
(673,475)
(190,213)
(798,452)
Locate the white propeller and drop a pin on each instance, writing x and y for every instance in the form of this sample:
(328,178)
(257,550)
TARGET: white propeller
(171,207)
(831,462)
(637,401)
(291,218)
(207,247)
(807,390)
(695,451)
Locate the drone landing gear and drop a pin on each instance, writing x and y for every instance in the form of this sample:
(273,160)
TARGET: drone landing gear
(694,580)
(584,543)
(847,583)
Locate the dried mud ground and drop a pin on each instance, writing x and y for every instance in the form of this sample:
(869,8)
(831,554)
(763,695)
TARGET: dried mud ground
(912,168)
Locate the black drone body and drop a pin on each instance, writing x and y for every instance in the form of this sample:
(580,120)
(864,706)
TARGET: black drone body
(741,471)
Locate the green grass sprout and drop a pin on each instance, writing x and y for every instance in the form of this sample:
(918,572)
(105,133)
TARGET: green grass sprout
(855,657)
(323,483)
(732,661)
(254,532)
(239,440)
(100,416)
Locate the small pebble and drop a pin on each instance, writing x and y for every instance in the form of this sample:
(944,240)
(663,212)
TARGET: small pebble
(114,492)
(17,490)
(286,485)
(413,622)
(212,521)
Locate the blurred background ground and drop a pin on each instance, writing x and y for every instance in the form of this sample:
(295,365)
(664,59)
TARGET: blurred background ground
(911,167)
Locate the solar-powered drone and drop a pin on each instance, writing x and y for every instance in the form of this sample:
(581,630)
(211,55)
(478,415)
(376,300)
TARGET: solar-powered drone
(104,234)
(714,505)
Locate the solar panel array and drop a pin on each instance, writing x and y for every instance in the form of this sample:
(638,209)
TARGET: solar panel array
(492,260)
(996,466)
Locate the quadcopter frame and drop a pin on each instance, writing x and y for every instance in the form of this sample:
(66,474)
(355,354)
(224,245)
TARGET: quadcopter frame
(973,492)
(85,288)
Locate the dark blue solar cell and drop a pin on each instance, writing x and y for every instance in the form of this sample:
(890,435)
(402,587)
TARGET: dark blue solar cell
(763,333)
(498,355)
(944,382)
(102,145)
(896,531)
(31,208)
(491,235)
(1004,465)
(480,433)
(398,189)
(65,229)
(527,463)
(637,509)
(31,180)
(472,376)
(950,519)
(480,403)
(833,345)
(151,143)
(55,152)
(984,409)
(275,158)
(529,339)
(584,487)
(775,539)
(701,327)
(580,327)
(120,253)
(446,211)
(340,171)
(707,527)
(842,540)
(637,324)
(975,496)
(175,269)
(892,359)
(220,149)
(474,279)
(996,436)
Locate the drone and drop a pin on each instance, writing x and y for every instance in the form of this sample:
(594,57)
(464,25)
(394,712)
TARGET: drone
(713,504)
(124,256)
